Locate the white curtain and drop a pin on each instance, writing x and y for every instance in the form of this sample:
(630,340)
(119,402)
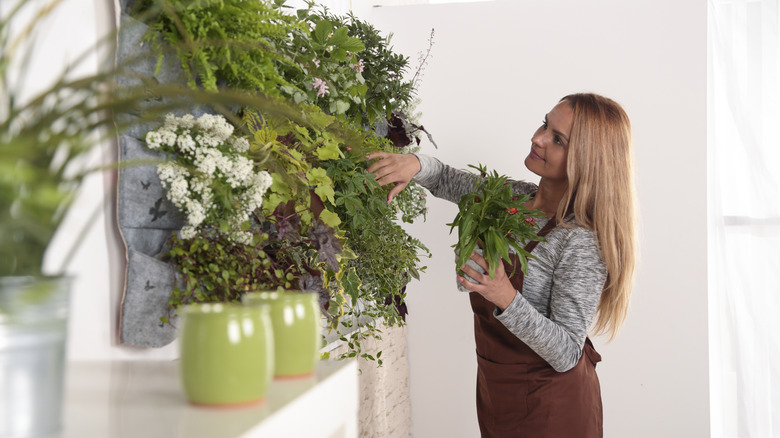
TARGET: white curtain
(744,217)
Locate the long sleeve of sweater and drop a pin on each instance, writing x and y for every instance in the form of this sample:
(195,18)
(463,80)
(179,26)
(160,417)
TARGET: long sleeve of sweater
(560,295)
(451,184)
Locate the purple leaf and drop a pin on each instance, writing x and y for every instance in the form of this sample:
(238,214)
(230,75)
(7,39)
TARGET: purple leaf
(398,130)
(313,282)
(398,301)
(288,222)
(326,243)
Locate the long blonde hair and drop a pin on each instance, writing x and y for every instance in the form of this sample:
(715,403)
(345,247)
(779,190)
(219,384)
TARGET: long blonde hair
(602,196)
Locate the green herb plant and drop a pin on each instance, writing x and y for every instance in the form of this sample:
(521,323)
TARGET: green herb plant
(496,219)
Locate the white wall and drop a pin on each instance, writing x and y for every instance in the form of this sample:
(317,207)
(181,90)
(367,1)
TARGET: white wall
(497,67)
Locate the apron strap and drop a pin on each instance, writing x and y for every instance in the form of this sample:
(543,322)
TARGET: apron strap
(513,269)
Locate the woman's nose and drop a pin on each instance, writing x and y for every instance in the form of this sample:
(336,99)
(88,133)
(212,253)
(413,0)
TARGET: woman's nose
(538,139)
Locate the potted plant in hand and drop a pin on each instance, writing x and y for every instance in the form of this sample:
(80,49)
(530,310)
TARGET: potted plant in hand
(493,221)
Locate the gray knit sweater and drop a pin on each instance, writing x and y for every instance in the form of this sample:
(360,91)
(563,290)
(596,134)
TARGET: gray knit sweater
(564,281)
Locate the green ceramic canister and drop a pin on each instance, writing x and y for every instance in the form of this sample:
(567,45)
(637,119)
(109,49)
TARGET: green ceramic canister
(226,354)
(296,320)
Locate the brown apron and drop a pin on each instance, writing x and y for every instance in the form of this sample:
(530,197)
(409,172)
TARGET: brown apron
(518,393)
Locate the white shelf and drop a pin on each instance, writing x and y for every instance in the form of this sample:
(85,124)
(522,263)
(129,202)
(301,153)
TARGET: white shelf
(122,399)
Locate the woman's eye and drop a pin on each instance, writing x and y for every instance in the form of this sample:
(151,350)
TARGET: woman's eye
(558,140)
(544,124)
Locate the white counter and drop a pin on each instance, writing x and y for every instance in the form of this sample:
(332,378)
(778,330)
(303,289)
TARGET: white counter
(146,400)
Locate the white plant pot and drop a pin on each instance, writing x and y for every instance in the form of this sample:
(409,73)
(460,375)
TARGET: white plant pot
(472,264)
(33,330)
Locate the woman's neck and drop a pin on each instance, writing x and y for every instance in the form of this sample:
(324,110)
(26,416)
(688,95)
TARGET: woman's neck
(548,196)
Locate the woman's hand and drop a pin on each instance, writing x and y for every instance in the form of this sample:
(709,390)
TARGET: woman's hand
(498,291)
(393,168)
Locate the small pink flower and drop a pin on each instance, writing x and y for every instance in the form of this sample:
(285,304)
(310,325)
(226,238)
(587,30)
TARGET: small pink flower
(321,87)
(359,67)
(530,220)
(316,62)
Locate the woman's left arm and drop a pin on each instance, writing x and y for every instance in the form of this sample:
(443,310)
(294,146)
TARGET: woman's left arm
(576,279)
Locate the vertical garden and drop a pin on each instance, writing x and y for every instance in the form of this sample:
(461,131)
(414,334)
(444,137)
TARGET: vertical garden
(267,176)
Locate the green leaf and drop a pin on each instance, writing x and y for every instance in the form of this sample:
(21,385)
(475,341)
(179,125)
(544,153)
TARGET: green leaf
(324,191)
(299,97)
(489,251)
(466,251)
(466,228)
(353,45)
(319,178)
(319,118)
(501,245)
(321,31)
(351,283)
(339,106)
(329,218)
(329,150)
(339,36)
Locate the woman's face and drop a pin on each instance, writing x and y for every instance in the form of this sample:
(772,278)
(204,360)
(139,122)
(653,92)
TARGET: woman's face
(550,144)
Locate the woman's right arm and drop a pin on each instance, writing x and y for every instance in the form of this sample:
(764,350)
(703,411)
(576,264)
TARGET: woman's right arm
(451,184)
(440,179)
(443,181)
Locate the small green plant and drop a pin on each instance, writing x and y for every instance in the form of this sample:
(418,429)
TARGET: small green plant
(494,217)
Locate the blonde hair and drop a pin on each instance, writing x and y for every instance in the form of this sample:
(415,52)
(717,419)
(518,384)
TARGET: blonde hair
(602,196)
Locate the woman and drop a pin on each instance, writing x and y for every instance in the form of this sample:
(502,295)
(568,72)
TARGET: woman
(536,367)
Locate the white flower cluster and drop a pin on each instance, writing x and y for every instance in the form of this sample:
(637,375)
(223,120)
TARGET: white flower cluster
(205,155)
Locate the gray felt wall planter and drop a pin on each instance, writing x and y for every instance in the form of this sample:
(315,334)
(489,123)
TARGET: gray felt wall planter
(146,217)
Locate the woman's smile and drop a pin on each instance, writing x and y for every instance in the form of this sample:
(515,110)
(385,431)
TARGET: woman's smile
(533,154)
